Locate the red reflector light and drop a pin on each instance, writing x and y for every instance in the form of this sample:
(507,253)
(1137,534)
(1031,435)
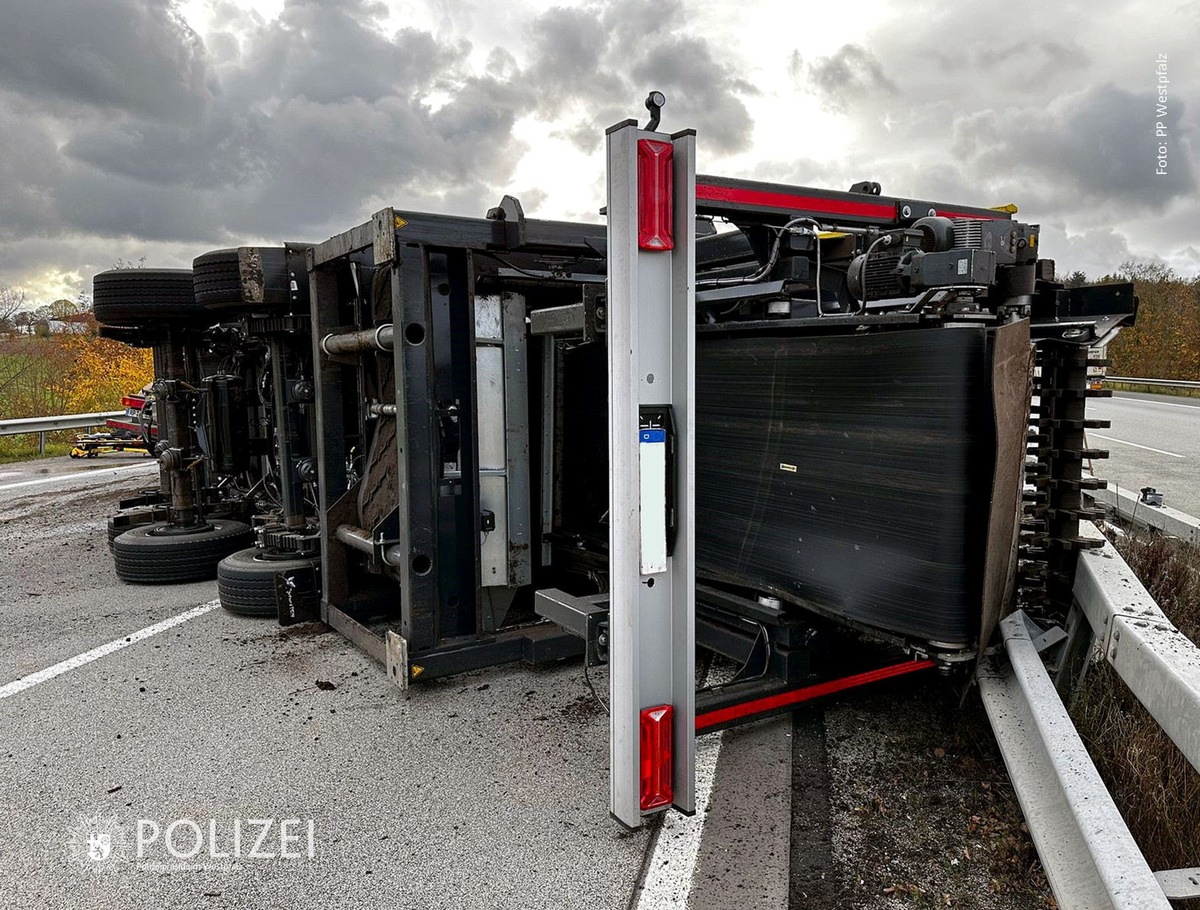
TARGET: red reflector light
(657,760)
(656,210)
(130,402)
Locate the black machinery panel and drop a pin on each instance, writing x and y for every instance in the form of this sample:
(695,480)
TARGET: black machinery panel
(851,474)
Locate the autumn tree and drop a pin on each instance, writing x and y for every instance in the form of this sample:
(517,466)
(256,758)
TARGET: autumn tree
(100,372)
(1165,341)
(12,304)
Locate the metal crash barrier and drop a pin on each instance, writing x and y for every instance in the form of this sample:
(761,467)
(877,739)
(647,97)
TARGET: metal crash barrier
(1090,857)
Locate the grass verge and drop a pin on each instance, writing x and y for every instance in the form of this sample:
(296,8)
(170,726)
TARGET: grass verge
(1151,389)
(25,448)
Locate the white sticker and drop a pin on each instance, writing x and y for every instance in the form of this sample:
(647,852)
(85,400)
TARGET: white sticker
(652,451)
(962,266)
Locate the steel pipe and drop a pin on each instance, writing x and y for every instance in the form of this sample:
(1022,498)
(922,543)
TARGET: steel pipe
(358,539)
(377,339)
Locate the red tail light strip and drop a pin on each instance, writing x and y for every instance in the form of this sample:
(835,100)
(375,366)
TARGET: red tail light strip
(657,757)
(656,188)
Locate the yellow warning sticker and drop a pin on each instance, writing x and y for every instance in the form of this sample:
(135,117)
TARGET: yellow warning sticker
(400,222)
(414,669)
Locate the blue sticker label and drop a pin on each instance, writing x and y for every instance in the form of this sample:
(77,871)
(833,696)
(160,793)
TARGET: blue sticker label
(653,435)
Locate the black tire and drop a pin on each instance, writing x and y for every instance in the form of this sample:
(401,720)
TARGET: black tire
(246,580)
(248,279)
(134,298)
(146,555)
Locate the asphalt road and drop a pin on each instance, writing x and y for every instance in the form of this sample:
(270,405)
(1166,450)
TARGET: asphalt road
(1154,441)
(481,790)
(485,789)
(28,477)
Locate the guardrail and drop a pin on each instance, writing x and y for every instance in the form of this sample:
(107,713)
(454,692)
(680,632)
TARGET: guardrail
(29,426)
(1165,383)
(1090,857)
(1128,505)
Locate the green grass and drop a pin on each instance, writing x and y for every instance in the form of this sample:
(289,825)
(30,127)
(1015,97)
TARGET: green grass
(1151,389)
(25,448)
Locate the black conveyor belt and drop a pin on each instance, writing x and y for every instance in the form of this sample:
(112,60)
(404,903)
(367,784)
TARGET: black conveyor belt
(850,473)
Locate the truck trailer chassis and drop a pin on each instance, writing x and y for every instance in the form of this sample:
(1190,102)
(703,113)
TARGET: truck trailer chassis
(632,431)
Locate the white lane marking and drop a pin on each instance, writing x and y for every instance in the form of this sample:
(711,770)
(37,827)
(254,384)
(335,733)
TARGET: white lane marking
(669,874)
(1165,404)
(11,473)
(79,660)
(1136,445)
(102,474)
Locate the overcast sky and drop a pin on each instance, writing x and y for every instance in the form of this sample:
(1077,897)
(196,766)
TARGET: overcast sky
(144,128)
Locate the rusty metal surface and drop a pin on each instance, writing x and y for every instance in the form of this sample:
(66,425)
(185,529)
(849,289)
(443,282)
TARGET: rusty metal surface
(1012,367)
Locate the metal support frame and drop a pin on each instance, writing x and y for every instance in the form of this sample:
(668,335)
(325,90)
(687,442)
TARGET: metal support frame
(1090,858)
(422,608)
(651,357)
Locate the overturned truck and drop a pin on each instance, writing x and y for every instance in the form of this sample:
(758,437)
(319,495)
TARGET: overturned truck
(825,434)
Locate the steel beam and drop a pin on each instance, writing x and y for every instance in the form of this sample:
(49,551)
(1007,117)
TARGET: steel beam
(30,425)
(1090,858)
(1159,663)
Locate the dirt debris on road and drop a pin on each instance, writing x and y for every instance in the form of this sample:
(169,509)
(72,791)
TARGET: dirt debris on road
(917,809)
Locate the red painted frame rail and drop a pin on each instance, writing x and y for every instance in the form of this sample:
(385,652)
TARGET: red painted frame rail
(796,696)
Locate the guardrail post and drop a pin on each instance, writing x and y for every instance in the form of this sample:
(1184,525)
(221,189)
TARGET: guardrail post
(41,443)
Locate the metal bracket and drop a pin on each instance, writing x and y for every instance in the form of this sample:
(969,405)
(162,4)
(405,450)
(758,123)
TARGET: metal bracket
(1179,884)
(396,650)
(298,596)
(583,617)
(383,225)
(1043,639)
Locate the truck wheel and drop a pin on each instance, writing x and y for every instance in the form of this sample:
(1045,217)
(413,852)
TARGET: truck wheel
(246,580)
(161,554)
(142,297)
(248,279)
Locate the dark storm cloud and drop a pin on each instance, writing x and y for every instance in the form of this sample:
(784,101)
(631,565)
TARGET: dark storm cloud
(602,57)
(128,126)
(121,123)
(331,51)
(28,171)
(123,54)
(1096,146)
(846,77)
